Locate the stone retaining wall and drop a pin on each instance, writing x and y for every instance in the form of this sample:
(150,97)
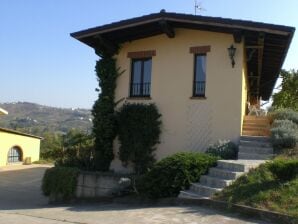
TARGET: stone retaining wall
(92,185)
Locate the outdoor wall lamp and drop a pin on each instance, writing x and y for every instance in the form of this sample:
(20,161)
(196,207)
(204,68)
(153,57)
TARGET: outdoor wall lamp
(232,51)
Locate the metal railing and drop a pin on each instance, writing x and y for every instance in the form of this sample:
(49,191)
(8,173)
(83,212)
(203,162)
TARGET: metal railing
(140,89)
(199,88)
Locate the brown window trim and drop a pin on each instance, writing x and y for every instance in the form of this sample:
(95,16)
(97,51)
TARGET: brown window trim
(200,49)
(141,54)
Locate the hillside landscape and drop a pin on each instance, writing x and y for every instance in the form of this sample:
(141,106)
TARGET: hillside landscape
(38,119)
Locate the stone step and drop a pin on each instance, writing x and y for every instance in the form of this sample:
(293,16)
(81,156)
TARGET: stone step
(265,139)
(231,166)
(203,190)
(255,133)
(255,143)
(237,165)
(255,149)
(254,156)
(214,181)
(188,194)
(224,174)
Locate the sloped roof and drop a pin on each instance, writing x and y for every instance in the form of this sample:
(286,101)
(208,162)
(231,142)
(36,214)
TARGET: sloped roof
(273,40)
(19,133)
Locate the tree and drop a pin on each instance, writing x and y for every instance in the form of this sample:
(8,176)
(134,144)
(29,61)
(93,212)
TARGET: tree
(288,96)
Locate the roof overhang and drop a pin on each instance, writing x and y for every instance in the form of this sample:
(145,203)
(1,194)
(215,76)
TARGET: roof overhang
(3,112)
(266,44)
(19,133)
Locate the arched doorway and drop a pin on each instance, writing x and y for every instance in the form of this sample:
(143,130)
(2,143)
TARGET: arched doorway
(15,155)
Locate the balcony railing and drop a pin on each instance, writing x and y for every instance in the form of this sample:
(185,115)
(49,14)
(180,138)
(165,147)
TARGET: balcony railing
(199,88)
(140,89)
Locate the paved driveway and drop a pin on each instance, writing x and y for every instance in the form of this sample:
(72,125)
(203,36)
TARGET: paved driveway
(22,202)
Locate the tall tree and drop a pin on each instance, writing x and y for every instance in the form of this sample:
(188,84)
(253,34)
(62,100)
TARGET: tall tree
(288,95)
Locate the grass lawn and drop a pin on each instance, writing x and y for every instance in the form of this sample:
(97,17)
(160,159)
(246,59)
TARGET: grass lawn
(261,188)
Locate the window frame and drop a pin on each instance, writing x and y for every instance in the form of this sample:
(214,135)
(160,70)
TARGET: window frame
(194,94)
(132,74)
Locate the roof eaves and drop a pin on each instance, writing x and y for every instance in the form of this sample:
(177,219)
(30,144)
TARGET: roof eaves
(19,133)
(176,17)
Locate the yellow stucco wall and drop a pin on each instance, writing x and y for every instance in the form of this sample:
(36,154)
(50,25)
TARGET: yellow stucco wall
(244,89)
(189,124)
(30,146)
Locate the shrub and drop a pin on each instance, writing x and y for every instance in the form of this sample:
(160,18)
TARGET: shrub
(284,170)
(288,124)
(138,132)
(284,134)
(60,182)
(284,114)
(224,149)
(174,173)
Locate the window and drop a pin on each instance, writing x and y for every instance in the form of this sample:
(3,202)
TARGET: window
(14,155)
(199,75)
(140,85)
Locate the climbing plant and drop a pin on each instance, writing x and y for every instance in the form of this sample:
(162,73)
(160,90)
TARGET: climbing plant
(139,128)
(103,112)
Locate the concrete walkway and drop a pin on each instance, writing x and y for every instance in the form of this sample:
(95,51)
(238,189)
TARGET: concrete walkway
(21,202)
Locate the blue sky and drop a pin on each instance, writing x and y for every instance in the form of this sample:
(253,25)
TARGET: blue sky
(41,63)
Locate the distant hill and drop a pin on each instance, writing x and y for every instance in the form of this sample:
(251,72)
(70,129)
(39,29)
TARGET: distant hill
(37,119)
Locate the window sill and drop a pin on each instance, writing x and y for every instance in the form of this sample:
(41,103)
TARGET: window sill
(198,98)
(139,98)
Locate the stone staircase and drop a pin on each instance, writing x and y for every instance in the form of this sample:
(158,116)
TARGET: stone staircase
(254,149)
(219,177)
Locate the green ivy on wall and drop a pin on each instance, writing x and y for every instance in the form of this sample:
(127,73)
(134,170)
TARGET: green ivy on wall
(103,112)
(139,128)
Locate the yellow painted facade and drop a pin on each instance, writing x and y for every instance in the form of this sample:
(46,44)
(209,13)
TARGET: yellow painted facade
(190,124)
(29,146)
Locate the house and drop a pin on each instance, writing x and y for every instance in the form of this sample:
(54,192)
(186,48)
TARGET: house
(200,71)
(17,147)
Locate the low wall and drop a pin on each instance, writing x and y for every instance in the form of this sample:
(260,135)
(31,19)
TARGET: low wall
(93,184)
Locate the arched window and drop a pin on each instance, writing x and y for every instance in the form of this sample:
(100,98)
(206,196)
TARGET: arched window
(14,155)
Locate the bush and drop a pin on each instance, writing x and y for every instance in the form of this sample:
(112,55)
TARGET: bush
(138,132)
(287,124)
(60,182)
(284,114)
(284,134)
(284,170)
(224,149)
(174,173)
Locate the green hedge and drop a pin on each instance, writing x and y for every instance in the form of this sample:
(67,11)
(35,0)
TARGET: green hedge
(284,170)
(60,182)
(174,173)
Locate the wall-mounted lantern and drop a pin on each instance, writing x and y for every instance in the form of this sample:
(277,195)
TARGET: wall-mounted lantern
(232,51)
